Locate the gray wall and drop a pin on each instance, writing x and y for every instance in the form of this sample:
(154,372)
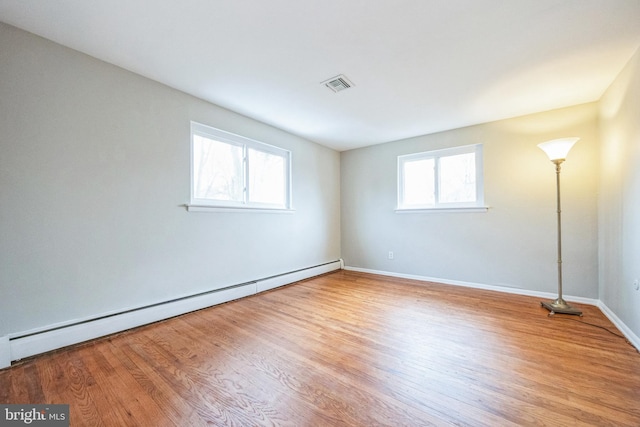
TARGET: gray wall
(514,243)
(619,203)
(94,168)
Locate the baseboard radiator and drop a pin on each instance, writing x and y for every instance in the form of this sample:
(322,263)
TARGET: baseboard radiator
(18,346)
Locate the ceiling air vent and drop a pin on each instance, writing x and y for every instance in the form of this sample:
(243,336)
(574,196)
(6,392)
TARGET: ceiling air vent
(338,83)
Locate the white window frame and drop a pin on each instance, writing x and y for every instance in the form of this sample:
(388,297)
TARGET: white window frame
(215,205)
(474,206)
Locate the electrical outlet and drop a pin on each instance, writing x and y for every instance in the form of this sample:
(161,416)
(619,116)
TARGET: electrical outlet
(390,255)
(636,284)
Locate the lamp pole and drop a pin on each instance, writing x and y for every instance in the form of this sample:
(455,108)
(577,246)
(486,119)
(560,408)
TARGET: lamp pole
(559,211)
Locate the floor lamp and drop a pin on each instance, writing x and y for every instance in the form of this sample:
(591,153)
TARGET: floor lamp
(557,151)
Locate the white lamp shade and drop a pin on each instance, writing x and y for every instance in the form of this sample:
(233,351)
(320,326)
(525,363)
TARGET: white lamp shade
(558,149)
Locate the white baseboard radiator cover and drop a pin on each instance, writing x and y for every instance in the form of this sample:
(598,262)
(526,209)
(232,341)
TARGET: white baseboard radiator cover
(18,346)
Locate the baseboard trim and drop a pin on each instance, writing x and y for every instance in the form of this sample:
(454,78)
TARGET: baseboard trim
(628,333)
(518,291)
(30,343)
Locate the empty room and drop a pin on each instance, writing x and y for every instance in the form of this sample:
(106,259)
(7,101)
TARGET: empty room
(305,213)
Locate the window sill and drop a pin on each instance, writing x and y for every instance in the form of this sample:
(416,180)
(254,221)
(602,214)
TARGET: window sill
(444,210)
(234,209)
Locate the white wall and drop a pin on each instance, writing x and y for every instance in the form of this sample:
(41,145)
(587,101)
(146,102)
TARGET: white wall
(94,168)
(619,203)
(514,243)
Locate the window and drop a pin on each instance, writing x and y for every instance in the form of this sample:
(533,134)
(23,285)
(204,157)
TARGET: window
(230,171)
(442,179)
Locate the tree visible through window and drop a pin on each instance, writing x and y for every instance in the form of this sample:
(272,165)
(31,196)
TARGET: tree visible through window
(217,170)
(232,171)
(441,179)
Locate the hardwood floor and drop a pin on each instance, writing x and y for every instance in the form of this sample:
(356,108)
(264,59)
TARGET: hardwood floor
(349,349)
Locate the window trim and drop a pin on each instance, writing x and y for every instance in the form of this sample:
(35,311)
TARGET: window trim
(475,206)
(213,205)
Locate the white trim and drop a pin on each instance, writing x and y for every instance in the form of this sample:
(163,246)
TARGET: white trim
(51,337)
(296,276)
(443,210)
(5,352)
(628,333)
(517,291)
(58,338)
(248,209)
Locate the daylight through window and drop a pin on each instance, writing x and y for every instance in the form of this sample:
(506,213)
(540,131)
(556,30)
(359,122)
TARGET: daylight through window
(229,170)
(448,178)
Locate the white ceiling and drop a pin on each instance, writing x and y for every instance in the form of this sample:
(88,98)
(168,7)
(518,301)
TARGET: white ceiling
(419,66)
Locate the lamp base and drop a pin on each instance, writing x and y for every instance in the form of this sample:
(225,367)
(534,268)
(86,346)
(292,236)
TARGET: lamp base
(560,306)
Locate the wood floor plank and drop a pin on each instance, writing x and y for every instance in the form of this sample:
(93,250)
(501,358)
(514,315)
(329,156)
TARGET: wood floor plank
(220,377)
(348,349)
(174,408)
(110,376)
(328,387)
(452,392)
(277,381)
(77,383)
(16,385)
(323,350)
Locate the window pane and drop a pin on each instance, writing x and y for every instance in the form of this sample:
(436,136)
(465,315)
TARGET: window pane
(267,178)
(217,170)
(419,185)
(458,178)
